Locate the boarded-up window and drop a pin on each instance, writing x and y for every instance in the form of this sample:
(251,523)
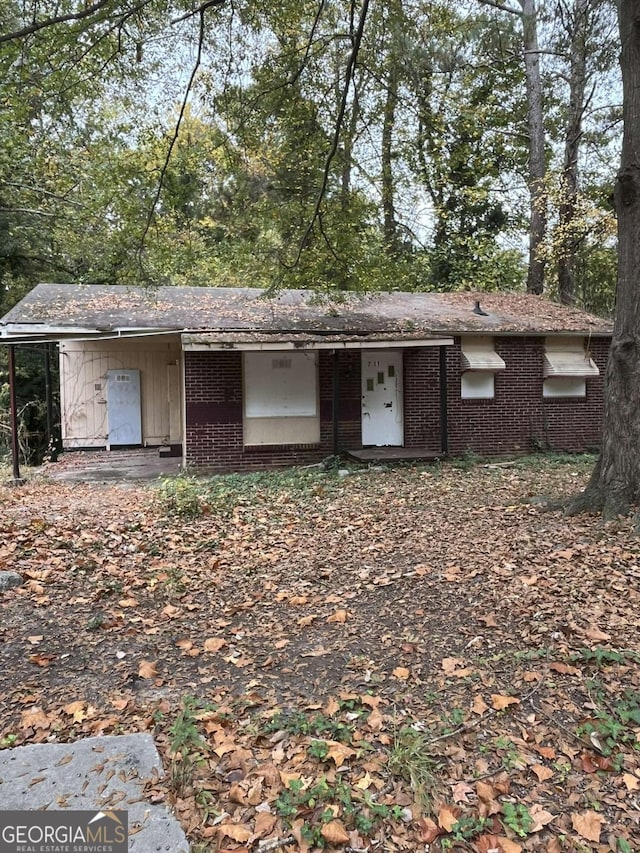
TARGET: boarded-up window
(281,398)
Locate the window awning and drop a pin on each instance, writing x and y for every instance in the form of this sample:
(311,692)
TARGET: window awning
(569,364)
(480,354)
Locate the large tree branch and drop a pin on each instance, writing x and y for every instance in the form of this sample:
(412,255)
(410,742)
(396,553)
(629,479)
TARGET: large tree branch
(176,132)
(351,65)
(87,12)
(503,7)
(209,4)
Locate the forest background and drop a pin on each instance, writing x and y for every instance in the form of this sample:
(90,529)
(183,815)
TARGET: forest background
(405,145)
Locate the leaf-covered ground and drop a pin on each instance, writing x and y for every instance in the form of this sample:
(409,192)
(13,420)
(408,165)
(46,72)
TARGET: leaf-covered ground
(409,659)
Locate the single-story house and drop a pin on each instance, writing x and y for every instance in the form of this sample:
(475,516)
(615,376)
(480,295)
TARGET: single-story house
(235,379)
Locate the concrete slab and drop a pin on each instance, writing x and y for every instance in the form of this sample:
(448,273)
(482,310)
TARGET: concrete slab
(96,773)
(86,466)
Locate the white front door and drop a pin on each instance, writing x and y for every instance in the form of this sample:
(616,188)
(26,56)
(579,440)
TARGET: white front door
(382,416)
(123,407)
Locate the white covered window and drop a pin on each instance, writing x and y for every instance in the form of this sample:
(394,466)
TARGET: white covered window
(281,398)
(567,366)
(480,362)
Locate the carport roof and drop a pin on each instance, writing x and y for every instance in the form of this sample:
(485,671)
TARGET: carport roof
(57,311)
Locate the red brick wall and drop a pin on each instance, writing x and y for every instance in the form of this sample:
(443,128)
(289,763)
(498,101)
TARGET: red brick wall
(518,419)
(213,383)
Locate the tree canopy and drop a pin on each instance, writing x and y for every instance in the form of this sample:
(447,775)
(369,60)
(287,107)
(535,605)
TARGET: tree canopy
(333,145)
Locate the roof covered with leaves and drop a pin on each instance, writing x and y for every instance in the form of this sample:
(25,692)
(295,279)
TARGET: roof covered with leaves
(62,308)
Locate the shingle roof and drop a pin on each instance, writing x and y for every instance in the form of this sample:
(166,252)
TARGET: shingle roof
(65,308)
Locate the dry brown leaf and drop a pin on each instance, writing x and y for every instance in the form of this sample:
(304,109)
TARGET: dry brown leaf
(214,644)
(128,602)
(264,824)
(235,831)
(339,616)
(304,621)
(540,816)
(485,791)
(479,705)
(449,665)
(401,672)
(594,633)
(447,818)
(338,752)
(375,720)
(501,702)
(334,832)
(332,707)
(147,669)
(506,845)
(588,824)
(631,782)
(428,829)
(460,791)
(542,772)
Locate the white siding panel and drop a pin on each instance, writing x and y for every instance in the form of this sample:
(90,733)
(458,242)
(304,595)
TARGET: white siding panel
(83,370)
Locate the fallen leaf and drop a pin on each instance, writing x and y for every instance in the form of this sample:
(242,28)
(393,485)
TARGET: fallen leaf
(214,644)
(147,669)
(588,824)
(631,782)
(501,702)
(428,829)
(542,772)
(338,752)
(334,832)
(447,818)
(235,831)
(540,816)
(594,633)
(338,616)
(479,705)
(401,672)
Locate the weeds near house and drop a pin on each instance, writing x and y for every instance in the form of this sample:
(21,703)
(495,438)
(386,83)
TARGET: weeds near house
(411,759)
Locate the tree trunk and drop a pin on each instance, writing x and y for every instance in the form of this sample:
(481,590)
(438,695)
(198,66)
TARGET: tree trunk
(390,226)
(537,161)
(615,483)
(579,23)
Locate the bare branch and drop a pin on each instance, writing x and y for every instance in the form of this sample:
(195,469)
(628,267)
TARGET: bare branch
(512,10)
(307,51)
(88,12)
(199,11)
(40,191)
(351,65)
(176,132)
(28,210)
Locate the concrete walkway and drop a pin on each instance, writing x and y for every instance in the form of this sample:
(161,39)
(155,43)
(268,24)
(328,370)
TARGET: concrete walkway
(99,773)
(112,465)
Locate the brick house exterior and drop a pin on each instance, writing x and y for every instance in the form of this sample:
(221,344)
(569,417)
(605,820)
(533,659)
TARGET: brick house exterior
(517,420)
(235,381)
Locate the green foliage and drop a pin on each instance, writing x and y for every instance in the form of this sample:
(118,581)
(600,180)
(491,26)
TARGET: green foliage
(190,496)
(516,816)
(613,728)
(358,810)
(299,723)
(182,495)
